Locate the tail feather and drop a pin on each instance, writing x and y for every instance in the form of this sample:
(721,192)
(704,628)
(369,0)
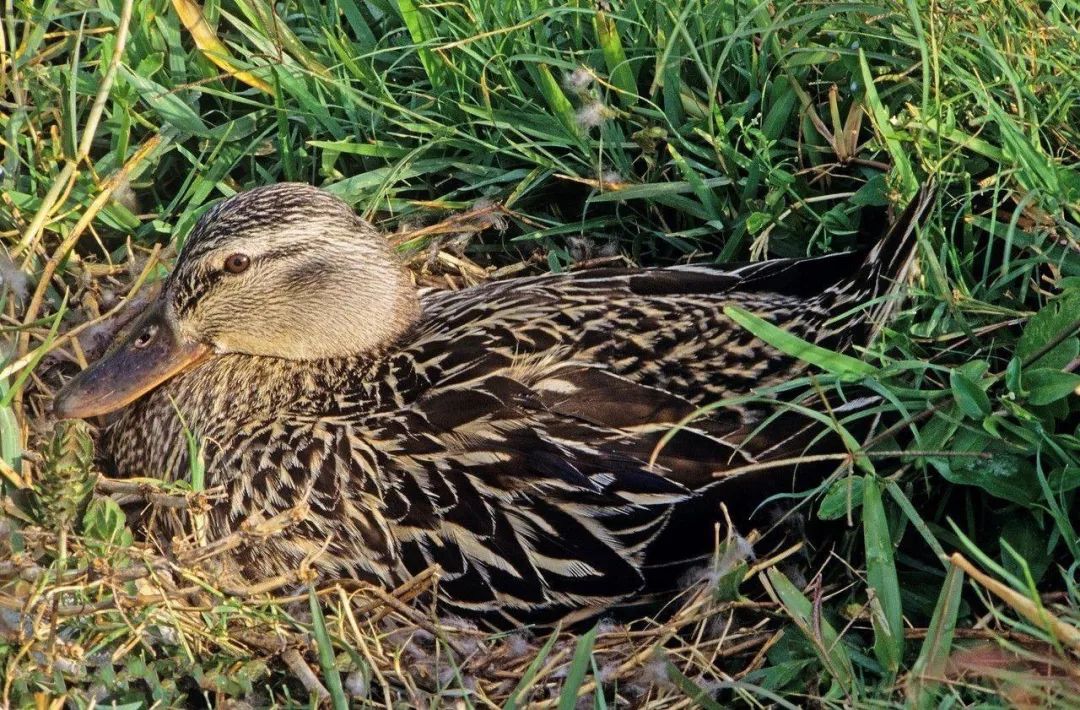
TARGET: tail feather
(899,241)
(884,265)
(889,261)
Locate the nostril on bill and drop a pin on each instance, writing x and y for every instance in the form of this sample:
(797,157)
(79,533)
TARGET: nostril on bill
(145,337)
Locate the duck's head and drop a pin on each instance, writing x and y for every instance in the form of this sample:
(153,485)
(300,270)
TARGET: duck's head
(286,271)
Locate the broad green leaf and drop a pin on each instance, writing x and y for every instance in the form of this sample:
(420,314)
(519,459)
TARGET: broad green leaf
(1023,534)
(844,494)
(1045,385)
(1057,320)
(757,221)
(1012,376)
(1002,474)
(105,521)
(874,192)
(970,397)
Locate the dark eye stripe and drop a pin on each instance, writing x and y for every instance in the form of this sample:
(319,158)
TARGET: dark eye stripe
(191,283)
(196,288)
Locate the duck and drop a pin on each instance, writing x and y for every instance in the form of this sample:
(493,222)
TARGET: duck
(545,441)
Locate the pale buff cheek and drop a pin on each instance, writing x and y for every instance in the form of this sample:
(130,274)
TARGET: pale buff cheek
(292,334)
(307,307)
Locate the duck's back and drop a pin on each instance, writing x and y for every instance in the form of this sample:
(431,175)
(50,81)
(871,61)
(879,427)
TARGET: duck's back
(661,328)
(542,472)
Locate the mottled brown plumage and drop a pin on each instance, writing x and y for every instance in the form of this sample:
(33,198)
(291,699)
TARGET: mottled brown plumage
(503,431)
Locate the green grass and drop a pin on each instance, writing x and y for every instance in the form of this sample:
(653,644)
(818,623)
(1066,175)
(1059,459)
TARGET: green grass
(657,130)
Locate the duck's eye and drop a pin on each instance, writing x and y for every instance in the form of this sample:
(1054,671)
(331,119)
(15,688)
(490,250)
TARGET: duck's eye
(145,337)
(237,263)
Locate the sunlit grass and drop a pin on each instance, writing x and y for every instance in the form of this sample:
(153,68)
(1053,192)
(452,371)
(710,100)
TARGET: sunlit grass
(657,131)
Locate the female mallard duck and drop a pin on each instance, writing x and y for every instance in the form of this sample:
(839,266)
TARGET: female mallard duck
(505,432)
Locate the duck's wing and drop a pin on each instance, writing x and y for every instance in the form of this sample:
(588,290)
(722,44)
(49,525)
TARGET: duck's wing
(558,494)
(529,513)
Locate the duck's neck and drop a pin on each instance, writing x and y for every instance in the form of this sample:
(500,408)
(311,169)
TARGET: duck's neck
(252,386)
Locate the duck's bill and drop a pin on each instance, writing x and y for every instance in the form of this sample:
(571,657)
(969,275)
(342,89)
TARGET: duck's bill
(148,354)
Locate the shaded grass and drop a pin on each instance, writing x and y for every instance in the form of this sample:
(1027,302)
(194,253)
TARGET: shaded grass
(652,131)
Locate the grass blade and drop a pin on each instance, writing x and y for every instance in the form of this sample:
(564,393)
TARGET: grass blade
(879,115)
(326,653)
(530,672)
(422,32)
(843,366)
(579,666)
(929,667)
(557,101)
(917,522)
(694,692)
(703,192)
(213,48)
(887,614)
(819,632)
(607,35)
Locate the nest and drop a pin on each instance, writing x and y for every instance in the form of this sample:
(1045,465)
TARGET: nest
(86,612)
